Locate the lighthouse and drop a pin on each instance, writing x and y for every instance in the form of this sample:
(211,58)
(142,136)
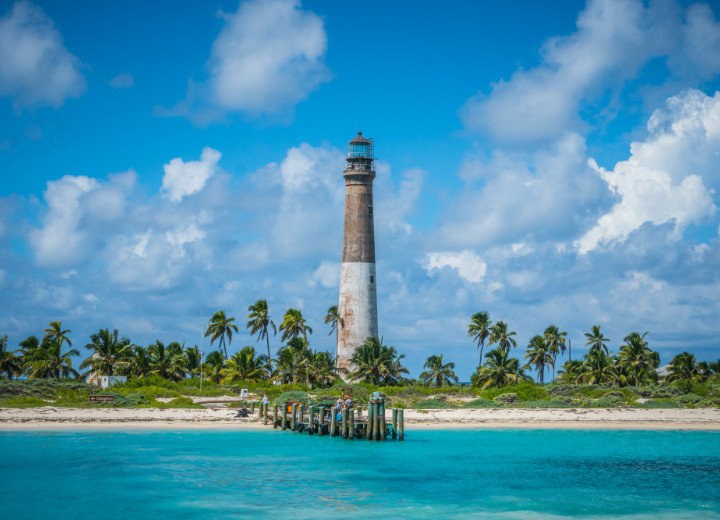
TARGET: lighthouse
(358,285)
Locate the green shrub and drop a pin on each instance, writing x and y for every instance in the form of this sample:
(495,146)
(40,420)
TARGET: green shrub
(182,402)
(482,403)
(296,396)
(432,403)
(603,402)
(552,403)
(658,403)
(524,390)
(688,399)
(23,402)
(509,398)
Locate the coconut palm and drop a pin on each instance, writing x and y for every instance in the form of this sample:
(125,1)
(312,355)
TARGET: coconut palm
(376,363)
(221,327)
(335,321)
(260,322)
(214,365)
(683,367)
(596,340)
(598,368)
(637,359)
(320,369)
(570,371)
(55,333)
(555,342)
(479,330)
(293,325)
(499,370)
(10,364)
(47,360)
(140,361)
(539,356)
(244,366)
(499,335)
(289,360)
(442,374)
(110,354)
(168,361)
(193,360)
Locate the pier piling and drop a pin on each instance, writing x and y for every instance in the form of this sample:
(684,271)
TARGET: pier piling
(333,422)
(351,425)
(275,417)
(345,423)
(293,423)
(284,417)
(394,422)
(401,424)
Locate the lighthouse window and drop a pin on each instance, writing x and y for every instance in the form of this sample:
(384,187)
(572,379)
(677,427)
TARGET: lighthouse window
(372,278)
(370,209)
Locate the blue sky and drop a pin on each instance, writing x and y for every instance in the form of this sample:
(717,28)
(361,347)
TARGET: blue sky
(551,163)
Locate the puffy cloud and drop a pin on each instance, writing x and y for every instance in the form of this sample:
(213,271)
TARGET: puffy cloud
(543,196)
(122,81)
(543,102)
(327,275)
(185,178)
(468,265)
(35,67)
(268,57)
(663,181)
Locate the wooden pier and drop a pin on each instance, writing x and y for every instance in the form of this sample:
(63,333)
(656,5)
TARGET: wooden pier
(323,420)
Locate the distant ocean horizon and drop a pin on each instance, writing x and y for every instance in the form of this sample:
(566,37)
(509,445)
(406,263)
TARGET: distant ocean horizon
(525,474)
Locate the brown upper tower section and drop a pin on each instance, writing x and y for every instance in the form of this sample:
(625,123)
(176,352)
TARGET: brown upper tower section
(359,230)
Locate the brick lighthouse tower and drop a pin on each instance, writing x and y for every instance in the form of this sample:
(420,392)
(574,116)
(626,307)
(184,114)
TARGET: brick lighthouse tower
(358,293)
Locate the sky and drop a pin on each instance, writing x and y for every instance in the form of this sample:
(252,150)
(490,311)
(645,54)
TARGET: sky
(547,162)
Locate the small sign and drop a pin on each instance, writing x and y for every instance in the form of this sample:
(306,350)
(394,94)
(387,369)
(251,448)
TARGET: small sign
(102,398)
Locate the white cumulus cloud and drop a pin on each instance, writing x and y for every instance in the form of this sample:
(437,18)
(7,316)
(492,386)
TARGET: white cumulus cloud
(35,67)
(664,180)
(268,57)
(185,178)
(469,266)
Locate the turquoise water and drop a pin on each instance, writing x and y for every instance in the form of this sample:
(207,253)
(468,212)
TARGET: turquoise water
(526,474)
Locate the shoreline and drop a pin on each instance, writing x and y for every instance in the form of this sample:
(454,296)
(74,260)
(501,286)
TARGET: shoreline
(48,418)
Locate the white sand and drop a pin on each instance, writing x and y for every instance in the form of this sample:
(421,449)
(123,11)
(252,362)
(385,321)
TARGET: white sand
(51,418)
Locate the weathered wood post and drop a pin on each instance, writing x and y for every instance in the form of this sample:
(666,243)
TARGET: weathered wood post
(321,421)
(284,416)
(333,422)
(311,414)
(293,423)
(376,423)
(260,411)
(394,422)
(351,424)
(370,412)
(265,414)
(345,423)
(401,424)
(252,407)
(383,432)
(301,413)
(275,416)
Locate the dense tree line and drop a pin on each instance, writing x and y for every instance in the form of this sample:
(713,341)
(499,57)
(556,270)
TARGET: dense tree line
(296,361)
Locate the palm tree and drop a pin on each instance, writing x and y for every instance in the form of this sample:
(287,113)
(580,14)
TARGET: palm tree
(293,325)
(167,361)
(440,373)
(335,320)
(260,322)
(499,334)
(110,353)
(683,367)
(244,366)
(55,333)
(499,370)
(140,362)
(222,327)
(320,369)
(555,341)
(596,340)
(289,360)
(48,361)
(214,365)
(375,363)
(539,356)
(10,364)
(479,330)
(193,360)
(637,358)
(598,368)
(570,371)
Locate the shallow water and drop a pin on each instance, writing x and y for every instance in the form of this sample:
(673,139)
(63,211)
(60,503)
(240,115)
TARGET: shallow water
(527,474)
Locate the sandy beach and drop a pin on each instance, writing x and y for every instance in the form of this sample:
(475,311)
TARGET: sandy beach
(52,418)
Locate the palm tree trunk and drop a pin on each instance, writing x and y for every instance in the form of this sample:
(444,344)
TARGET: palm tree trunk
(267,337)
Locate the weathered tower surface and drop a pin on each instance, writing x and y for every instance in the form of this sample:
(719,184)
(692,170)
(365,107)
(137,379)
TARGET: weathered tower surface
(358,293)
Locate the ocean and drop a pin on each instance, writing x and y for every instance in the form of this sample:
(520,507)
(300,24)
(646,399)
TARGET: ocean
(524,474)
